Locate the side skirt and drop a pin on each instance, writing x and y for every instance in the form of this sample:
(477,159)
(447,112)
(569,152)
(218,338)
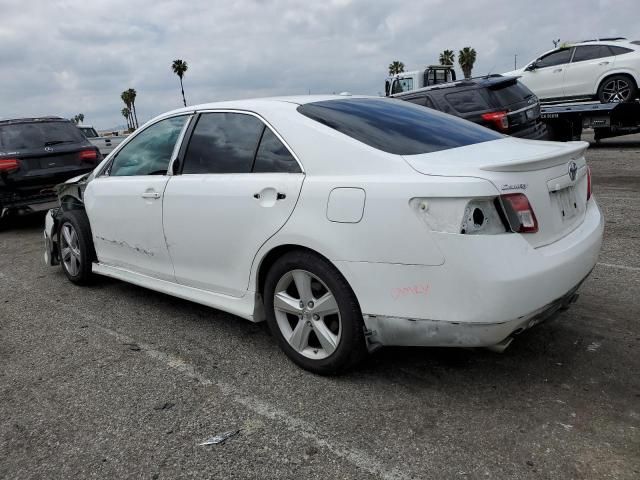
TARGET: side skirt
(246,307)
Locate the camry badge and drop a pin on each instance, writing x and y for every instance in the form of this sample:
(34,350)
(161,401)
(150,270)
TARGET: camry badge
(573,170)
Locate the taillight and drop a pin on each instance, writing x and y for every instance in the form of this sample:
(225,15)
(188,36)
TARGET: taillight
(499,119)
(8,165)
(519,213)
(588,183)
(88,155)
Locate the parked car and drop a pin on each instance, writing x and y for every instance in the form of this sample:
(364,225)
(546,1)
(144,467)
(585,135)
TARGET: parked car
(607,70)
(500,103)
(35,155)
(106,144)
(349,223)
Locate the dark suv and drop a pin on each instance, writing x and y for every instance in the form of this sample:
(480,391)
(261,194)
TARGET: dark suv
(497,102)
(35,155)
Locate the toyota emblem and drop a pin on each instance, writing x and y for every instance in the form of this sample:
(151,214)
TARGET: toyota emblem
(48,149)
(573,170)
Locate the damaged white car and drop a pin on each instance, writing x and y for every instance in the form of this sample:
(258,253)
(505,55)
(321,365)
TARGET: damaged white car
(347,223)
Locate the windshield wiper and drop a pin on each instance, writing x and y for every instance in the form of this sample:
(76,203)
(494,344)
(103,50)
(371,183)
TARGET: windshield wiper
(57,142)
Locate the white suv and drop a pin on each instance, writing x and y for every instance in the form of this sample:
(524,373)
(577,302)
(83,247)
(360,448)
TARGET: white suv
(607,70)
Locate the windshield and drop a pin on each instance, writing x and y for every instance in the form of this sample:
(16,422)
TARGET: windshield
(23,136)
(396,126)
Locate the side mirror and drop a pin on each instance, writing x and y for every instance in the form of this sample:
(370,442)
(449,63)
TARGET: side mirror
(530,67)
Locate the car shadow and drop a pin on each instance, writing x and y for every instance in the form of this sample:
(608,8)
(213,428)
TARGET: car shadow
(23,223)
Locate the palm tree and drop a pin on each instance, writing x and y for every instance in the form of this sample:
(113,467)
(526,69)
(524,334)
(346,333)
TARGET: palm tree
(126,98)
(132,97)
(180,67)
(466,59)
(396,67)
(447,57)
(80,117)
(126,114)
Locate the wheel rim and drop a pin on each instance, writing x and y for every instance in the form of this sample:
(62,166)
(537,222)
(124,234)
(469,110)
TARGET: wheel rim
(307,314)
(616,91)
(70,249)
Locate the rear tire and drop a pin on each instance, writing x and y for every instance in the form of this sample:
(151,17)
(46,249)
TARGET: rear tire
(313,313)
(75,247)
(617,89)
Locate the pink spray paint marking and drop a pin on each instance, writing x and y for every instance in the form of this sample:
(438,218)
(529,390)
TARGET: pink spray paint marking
(401,292)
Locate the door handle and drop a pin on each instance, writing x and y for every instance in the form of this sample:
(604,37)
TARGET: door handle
(557,70)
(279,196)
(151,195)
(604,63)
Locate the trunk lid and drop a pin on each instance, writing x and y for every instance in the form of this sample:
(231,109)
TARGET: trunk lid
(552,175)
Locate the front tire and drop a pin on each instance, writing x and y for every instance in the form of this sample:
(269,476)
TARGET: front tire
(617,89)
(313,313)
(75,244)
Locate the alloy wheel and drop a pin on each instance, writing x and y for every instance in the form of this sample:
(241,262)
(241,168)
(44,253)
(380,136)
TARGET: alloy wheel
(616,90)
(307,314)
(70,249)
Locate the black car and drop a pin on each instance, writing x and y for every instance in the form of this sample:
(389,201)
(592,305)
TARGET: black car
(497,102)
(35,155)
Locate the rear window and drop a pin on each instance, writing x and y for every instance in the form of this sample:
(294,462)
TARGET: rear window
(508,94)
(24,136)
(395,126)
(467,101)
(620,50)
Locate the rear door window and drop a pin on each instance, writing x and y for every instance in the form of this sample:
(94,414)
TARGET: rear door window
(223,143)
(396,126)
(273,156)
(590,52)
(37,135)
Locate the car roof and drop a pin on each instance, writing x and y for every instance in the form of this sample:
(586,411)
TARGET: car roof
(253,104)
(84,126)
(486,81)
(9,121)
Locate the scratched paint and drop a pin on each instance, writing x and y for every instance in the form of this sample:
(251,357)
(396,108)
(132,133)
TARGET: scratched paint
(125,244)
(413,290)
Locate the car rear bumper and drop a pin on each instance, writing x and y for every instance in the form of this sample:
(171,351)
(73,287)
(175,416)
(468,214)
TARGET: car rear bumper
(489,287)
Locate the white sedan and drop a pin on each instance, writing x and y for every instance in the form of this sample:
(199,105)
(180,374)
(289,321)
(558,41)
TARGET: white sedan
(348,223)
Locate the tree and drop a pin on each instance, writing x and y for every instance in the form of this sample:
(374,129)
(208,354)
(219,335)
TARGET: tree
(180,67)
(132,98)
(466,59)
(447,57)
(556,43)
(126,98)
(80,117)
(126,114)
(396,67)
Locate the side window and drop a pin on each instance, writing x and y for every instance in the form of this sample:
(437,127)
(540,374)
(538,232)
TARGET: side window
(555,58)
(150,151)
(590,52)
(223,143)
(620,50)
(402,85)
(273,156)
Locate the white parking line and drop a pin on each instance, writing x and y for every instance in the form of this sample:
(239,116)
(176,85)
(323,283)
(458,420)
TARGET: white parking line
(356,457)
(622,267)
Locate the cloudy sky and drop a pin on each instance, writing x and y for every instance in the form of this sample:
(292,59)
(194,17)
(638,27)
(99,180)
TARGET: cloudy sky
(62,57)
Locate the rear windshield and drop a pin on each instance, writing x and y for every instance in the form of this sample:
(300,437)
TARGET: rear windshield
(23,136)
(395,126)
(509,94)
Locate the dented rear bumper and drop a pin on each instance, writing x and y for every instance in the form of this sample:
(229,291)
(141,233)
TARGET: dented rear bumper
(489,287)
